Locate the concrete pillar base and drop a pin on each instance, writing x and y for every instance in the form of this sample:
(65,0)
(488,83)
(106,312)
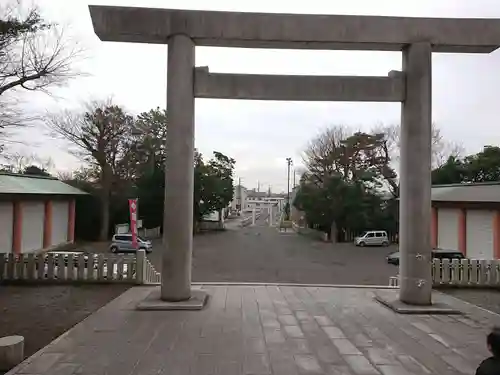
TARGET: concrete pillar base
(11,352)
(390,299)
(153,302)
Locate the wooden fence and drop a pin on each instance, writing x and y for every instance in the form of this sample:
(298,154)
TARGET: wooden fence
(462,273)
(85,268)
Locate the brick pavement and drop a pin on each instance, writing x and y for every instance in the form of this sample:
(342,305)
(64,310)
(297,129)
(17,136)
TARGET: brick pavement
(268,330)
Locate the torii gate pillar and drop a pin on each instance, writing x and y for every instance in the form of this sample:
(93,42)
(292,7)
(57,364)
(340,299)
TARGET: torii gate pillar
(417,38)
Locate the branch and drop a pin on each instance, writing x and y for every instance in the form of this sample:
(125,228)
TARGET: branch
(43,57)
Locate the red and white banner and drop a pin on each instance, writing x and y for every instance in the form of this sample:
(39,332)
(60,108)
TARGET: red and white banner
(132,204)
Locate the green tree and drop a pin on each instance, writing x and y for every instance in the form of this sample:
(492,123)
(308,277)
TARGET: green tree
(451,172)
(213,184)
(213,189)
(151,194)
(343,187)
(34,170)
(481,167)
(339,152)
(146,147)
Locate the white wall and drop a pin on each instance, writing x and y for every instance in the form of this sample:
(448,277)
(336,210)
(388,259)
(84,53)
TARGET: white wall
(59,222)
(448,228)
(6,222)
(32,229)
(480,234)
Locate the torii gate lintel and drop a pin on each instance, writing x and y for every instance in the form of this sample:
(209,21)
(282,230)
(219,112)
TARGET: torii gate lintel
(417,38)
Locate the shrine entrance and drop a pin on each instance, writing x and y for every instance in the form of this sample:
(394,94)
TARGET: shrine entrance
(416,38)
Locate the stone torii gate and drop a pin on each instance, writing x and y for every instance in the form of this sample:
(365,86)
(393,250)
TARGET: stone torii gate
(182,30)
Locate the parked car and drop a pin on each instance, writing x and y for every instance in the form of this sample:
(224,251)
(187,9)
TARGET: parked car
(393,258)
(121,243)
(372,238)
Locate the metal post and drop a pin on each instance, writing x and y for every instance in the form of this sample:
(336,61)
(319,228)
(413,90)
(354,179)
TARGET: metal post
(289,162)
(253,216)
(241,195)
(415,178)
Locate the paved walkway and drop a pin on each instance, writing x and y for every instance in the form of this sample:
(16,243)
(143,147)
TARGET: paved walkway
(261,254)
(268,330)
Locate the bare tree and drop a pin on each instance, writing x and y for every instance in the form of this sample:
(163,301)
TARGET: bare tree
(100,134)
(321,154)
(442,149)
(34,54)
(17,162)
(65,175)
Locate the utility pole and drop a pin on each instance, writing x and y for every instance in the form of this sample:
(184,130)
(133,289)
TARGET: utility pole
(289,163)
(294,178)
(241,194)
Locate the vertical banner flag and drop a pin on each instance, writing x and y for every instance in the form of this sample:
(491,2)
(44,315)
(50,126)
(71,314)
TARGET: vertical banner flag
(132,204)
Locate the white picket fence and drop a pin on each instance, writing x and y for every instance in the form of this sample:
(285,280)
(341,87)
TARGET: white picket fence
(87,268)
(462,273)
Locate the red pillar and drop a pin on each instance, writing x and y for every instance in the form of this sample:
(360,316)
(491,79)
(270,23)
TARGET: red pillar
(71,221)
(462,231)
(496,234)
(47,225)
(17,227)
(434,227)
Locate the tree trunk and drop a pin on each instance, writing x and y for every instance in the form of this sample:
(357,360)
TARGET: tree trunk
(333,232)
(221,220)
(103,235)
(106,180)
(196,227)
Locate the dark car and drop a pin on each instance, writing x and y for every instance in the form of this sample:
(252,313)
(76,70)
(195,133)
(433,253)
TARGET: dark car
(393,258)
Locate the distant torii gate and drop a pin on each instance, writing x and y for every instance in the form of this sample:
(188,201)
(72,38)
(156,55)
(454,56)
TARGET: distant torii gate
(417,38)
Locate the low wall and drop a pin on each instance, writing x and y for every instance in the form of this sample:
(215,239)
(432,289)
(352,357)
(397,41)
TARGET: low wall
(211,225)
(150,232)
(312,233)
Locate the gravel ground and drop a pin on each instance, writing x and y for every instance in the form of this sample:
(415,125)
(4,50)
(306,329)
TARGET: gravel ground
(261,254)
(42,313)
(488,299)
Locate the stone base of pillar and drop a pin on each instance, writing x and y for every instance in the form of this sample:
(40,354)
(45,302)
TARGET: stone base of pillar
(390,299)
(153,302)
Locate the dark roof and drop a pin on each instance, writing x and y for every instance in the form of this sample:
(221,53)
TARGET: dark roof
(471,192)
(11,183)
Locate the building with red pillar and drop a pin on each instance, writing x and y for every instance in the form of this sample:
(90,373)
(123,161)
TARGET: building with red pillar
(36,213)
(466,217)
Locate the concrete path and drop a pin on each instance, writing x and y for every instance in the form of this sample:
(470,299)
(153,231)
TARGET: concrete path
(280,330)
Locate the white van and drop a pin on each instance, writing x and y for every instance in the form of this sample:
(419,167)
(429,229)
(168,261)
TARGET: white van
(372,238)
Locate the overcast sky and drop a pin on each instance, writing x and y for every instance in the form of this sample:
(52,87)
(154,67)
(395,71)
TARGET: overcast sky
(261,135)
